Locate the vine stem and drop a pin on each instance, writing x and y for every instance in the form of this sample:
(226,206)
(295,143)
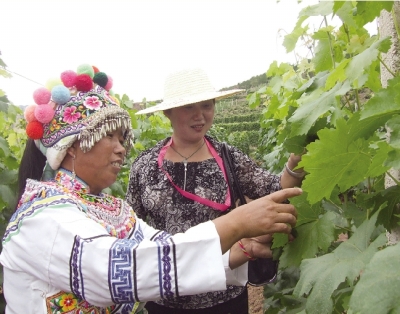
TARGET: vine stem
(393,178)
(348,104)
(387,68)
(330,44)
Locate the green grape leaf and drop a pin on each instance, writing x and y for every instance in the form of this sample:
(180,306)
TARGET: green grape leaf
(321,9)
(7,194)
(323,59)
(296,144)
(254,100)
(385,102)
(367,11)
(312,237)
(290,40)
(394,127)
(8,176)
(364,128)
(375,292)
(323,275)
(272,107)
(385,201)
(315,83)
(305,211)
(133,117)
(12,139)
(4,104)
(377,166)
(279,240)
(305,116)
(354,213)
(11,163)
(337,75)
(373,81)
(393,159)
(360,63)
(334,159)
(4,147)
(344,10)
(275,70)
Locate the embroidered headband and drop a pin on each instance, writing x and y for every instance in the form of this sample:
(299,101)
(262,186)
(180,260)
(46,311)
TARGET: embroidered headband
(78,106)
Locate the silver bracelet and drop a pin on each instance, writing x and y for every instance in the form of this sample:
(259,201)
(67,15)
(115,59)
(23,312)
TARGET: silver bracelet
(298,175)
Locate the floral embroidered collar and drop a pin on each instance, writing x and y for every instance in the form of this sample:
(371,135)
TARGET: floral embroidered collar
(67,180)
(115,215)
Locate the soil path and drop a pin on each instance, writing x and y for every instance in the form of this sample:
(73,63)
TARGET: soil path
(256,299)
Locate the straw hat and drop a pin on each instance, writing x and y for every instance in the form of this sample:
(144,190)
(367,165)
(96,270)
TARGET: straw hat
(188,87)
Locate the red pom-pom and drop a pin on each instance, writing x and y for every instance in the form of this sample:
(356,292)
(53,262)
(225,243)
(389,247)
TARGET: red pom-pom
(83,83)
(41,96)
(44,113)
(34,130)
(29,113)
(68,78)
(95,69)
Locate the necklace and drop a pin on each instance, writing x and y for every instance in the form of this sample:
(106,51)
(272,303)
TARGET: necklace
(185,159)
(202,200)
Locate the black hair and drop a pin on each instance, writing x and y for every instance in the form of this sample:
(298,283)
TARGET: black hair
(31,166)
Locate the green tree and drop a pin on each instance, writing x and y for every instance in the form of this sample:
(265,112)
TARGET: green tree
(12,143)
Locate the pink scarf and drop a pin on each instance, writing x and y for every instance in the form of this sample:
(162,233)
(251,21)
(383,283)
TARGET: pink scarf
(196,198)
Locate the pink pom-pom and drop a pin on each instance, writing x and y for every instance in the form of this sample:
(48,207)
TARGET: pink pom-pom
(29,113)
(84,83)
(41,96)
(109,84)
(34,130)
(68,78)
(44,113)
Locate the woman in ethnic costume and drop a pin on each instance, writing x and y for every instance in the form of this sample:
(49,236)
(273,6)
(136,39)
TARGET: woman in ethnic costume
(70,248)
(181,182)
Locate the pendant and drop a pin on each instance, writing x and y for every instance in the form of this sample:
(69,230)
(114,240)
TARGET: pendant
(184,180)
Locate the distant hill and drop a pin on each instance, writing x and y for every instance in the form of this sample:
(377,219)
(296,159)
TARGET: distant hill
(250,84)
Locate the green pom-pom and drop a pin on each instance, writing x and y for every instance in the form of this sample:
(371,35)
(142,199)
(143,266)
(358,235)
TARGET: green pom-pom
(85,69)
(53,82)
(101,79)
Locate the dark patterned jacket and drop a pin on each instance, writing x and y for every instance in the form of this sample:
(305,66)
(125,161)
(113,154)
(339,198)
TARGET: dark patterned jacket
(155,200)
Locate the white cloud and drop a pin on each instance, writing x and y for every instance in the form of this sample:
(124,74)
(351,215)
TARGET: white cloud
(138,43)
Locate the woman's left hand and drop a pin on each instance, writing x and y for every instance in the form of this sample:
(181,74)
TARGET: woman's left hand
(259,247)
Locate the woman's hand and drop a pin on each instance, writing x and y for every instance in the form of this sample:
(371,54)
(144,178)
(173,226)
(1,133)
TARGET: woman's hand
(259,247)
(291,175)
(262,216)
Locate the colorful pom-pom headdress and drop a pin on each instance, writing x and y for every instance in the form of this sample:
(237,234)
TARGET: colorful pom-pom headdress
(76,106)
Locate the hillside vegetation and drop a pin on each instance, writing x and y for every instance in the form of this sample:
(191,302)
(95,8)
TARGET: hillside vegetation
(235,122)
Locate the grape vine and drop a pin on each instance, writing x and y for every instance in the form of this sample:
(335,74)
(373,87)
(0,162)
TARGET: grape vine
(335,265)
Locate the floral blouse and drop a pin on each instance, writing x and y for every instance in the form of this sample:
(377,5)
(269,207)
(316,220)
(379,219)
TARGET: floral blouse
(154,199)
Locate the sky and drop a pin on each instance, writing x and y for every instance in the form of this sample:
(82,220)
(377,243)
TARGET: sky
(138,43)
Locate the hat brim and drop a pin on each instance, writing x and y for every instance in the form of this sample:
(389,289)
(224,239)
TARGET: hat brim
(179,102)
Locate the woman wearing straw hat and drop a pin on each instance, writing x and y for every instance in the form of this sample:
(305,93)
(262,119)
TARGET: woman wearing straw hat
(181,182)
(70,248)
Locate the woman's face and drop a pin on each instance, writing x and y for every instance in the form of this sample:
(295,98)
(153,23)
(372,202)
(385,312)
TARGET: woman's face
(100,166)
(191,122)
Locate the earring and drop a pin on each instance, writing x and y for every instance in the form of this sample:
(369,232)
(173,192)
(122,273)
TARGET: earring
(73,167)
